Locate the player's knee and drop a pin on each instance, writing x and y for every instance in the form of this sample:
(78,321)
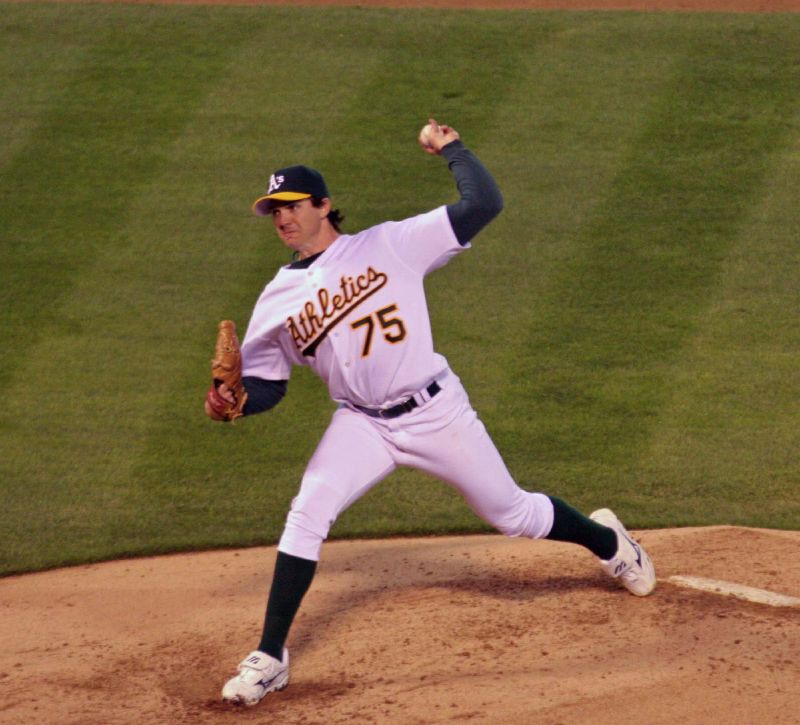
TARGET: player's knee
(312,515)
(310,518)
(305,532)
(509,527)
(513,525)
(531,515)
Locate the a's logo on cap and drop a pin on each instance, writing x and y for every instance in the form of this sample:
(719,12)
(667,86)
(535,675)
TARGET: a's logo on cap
(274,183)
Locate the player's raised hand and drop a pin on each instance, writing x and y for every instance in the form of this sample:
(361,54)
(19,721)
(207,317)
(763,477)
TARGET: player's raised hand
(435,136)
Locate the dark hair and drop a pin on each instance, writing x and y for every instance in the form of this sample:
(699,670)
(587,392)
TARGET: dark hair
(334,215)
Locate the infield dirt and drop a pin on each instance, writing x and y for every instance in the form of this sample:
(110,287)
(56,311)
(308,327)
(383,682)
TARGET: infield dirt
(478,629)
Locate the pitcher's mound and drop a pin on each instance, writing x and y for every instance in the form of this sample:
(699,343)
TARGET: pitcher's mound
(478,629)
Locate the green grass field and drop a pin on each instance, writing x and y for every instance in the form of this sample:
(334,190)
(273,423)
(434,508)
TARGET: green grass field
(628,328)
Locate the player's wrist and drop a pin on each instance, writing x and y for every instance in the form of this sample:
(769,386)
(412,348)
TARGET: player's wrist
(451,148)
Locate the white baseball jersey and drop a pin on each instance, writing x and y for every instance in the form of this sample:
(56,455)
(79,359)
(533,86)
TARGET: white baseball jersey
(358,315)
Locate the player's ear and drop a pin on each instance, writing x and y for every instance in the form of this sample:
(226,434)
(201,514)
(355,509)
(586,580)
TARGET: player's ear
(324,207)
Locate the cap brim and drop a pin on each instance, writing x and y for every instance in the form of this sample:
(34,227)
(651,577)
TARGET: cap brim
(262,205)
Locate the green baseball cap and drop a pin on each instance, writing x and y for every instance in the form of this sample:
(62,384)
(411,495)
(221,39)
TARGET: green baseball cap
(291,184)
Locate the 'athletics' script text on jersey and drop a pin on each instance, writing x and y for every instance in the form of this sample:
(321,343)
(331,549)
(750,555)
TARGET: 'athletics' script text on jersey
(317,318)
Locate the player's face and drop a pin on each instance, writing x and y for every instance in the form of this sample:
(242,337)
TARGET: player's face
(299,225)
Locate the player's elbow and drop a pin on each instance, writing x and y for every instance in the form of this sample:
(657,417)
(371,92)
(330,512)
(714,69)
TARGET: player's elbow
(490,207)
(495,204)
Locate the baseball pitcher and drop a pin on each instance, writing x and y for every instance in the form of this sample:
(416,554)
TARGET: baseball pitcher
(352,307)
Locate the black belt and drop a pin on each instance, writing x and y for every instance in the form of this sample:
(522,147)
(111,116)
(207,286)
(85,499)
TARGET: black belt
(401,408)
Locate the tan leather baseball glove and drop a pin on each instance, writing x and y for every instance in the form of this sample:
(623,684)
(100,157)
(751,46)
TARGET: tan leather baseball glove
(226,396)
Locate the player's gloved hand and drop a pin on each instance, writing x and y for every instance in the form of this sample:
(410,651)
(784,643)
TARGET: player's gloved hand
(226,397)
(219,401)
(434,137)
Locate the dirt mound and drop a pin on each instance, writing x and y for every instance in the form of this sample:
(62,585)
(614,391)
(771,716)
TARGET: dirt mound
(478,629)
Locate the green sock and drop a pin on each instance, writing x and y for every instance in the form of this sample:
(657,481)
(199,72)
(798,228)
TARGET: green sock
(290,582)
(571,525)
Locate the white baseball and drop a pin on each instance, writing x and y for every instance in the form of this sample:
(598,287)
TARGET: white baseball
(425,135)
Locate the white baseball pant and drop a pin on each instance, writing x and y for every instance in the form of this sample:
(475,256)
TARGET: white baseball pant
(444,438)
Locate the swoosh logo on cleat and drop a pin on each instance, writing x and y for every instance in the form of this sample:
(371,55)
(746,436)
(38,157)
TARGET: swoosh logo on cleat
(637,549)
(266,683)
(638,554)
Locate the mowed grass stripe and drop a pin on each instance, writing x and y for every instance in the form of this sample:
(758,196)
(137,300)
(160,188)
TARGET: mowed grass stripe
(730,424)
(460,68)
(597,370)
(106,132)
(31,39)
(559,141)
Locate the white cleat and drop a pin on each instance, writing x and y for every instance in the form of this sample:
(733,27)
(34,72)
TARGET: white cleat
(631,565)
(259,674)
